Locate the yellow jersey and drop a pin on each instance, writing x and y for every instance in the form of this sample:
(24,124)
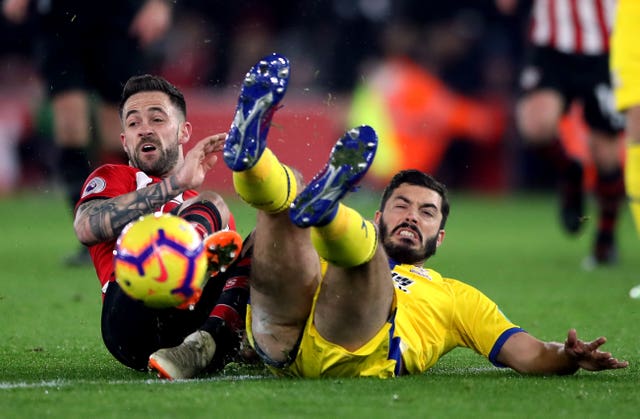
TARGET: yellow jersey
(435,315)
(625,55)
(431,316)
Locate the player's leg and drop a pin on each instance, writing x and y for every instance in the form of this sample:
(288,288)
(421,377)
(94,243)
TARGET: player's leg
(609,192)
(71,134)
(538,117)
(538,113)
(262,182)
(358,273)
(111,151)
(131,331)
(605,145)
(209,214)
(115,56)
(285,268)
(62,68)
(217,340)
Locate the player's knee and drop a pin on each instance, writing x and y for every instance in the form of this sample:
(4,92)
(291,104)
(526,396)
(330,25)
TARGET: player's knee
(537,119)
(535,128)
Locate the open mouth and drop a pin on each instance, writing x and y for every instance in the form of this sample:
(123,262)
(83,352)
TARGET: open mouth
(408,233)
(147,148)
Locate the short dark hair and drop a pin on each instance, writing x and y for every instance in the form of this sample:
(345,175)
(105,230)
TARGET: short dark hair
(418,178)
(150,83)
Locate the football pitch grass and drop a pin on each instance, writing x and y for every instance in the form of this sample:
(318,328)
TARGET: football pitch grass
(53,362)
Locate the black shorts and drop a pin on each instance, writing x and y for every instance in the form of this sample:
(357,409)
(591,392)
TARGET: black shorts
(131,331)
(585,78)
(89,50)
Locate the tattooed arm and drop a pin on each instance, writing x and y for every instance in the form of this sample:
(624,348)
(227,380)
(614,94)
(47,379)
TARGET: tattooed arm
(100,220)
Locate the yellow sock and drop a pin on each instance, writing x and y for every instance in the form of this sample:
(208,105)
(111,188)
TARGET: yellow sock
(268,186)
(632,181)
(348,240)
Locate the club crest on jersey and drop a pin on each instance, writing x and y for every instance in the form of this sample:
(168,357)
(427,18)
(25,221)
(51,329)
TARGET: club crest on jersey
(422,272)
(95,185)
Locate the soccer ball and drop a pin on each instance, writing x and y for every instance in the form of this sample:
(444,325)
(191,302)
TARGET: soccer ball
(160,260)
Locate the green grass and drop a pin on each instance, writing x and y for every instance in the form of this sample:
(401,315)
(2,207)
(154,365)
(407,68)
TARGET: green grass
(53,363)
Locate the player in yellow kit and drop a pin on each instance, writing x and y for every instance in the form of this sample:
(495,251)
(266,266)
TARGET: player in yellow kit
(445,307)
(625,69)
(625,74)
(374,310)
(335,295)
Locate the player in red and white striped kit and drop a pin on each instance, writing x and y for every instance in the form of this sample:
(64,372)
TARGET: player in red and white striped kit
(160,178)
(567,62)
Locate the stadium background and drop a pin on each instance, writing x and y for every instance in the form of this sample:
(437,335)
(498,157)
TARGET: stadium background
(52,360)
(438,81)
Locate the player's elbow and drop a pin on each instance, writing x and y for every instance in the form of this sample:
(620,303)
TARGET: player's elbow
(83,231)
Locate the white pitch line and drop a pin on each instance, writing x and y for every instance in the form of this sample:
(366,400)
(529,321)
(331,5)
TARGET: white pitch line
(66,383)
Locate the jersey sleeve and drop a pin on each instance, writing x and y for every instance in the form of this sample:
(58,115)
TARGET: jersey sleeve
(479,323)
(106,182)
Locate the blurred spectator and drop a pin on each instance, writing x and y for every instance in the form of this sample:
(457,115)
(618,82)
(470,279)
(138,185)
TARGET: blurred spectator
(567,63)
(419,108)
(85,55)
(213,42)
(464,50)
(20,93)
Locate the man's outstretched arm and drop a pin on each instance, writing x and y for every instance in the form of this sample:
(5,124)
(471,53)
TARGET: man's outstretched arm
(529,355)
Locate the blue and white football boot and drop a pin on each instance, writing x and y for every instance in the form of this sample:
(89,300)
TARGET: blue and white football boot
(349,161)
(262,89)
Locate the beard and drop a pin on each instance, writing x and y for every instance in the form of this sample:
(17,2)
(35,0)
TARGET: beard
(402,253)
(164,164)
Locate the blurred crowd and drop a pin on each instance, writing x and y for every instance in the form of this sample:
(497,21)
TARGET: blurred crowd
(463,54)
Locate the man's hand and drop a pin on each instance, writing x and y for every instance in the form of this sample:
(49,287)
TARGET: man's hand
(588,356)
(199,160)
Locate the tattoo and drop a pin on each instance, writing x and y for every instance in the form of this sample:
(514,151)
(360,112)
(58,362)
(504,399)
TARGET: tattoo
(107,217)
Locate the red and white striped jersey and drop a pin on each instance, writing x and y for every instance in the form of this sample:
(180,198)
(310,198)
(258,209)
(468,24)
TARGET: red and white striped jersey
(572,26)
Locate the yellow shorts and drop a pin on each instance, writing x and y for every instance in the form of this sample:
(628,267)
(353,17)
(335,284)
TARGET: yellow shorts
(316,357)
(625,55)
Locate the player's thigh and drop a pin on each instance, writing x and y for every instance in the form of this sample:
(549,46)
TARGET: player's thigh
(355,303)
(110,126)
(542,94)
(71,112)
(538,114)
